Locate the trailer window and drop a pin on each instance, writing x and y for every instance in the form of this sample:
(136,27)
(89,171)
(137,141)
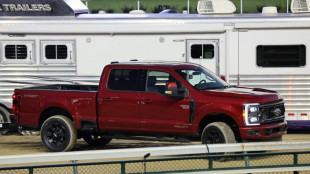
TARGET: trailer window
(204,51)
(15,51)
(281,55)
(56,52)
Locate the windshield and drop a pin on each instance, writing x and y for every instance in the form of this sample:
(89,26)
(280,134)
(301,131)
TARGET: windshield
(201,79)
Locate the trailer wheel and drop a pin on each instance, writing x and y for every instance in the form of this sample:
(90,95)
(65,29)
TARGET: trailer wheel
(96,140)
(216,133)
(4,118)
(58,134)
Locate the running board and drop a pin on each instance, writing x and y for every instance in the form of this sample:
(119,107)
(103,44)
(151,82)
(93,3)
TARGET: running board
(180,139)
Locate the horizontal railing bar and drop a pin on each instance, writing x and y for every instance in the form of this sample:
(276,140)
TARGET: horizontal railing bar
(247,170)
(155,151)
(209,157)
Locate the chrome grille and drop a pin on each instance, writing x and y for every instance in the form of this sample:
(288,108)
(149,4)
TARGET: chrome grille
(272,112)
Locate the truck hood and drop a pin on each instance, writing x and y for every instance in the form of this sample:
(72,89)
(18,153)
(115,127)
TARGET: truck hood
(251,94)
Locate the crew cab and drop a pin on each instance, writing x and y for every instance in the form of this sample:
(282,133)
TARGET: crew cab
(169,101)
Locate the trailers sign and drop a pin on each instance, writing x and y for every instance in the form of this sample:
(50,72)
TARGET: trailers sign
(35,8)
(25,7)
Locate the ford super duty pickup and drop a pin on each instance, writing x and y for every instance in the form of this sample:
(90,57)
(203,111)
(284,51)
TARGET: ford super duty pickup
(150,101)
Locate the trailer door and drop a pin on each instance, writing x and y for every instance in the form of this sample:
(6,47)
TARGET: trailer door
(203,52)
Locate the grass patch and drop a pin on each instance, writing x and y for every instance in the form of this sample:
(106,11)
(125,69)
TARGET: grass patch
(249,6)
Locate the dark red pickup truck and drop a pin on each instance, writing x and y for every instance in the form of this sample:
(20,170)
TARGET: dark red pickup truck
(150,101)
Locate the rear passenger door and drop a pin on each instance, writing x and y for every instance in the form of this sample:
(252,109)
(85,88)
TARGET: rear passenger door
(118,102)
(159,113)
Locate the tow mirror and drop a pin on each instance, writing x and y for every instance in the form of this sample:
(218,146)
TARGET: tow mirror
(172,90)
(223,77)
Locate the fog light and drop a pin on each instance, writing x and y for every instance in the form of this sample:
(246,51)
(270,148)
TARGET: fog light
(255,132)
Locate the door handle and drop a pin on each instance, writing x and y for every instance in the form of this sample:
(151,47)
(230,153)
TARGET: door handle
(108,99)
(147,100)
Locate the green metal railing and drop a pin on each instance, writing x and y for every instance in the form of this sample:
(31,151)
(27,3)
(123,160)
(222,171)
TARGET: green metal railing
(175,164)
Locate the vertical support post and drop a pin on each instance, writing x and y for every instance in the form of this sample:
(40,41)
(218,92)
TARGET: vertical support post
(296,162)
(210,163)
(138,5)
(241,6)
(123,168)
(246,160)
(30,170)
(75,169)
(187,6)
(287,2)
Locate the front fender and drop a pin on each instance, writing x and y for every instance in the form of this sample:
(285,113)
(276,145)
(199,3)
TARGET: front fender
(233,111)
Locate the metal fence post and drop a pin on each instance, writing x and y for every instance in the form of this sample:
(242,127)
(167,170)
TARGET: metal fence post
(75,169)
(246,160)
(123,168)
(296,162)
(30,170)
(210,163)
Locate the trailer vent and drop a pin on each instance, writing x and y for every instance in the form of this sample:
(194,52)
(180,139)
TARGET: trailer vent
(215,7)
(300,6)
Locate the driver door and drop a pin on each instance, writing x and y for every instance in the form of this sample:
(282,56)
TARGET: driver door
(159,113)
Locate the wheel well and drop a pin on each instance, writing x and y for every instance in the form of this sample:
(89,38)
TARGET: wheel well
(51,112)
(5,107)
(218,117)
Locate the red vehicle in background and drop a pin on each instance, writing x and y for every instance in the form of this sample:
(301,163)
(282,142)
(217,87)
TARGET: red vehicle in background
(150,101)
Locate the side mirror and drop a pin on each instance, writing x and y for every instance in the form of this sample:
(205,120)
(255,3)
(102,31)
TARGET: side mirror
(223,77)
(172,90)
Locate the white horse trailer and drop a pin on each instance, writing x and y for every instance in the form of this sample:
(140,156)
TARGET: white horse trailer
(270,50)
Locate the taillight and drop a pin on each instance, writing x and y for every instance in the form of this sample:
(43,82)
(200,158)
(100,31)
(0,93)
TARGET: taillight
(15,107)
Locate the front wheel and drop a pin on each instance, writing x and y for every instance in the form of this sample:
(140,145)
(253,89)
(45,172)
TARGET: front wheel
(58,134)
(96,140)
(217,133)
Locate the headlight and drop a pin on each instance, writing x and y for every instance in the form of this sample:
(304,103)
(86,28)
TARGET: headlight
(251,114)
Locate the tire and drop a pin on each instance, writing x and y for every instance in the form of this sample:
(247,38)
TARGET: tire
(4,118)
(217,133)
(96,140)
(58,134)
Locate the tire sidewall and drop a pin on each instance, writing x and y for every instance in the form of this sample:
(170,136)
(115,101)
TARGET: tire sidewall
(6,119)
(5,114)
(222,128)
(70,133)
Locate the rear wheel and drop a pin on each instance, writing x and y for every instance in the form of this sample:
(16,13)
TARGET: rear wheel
(4,118)
(216,133)
(58,134)
(96,140)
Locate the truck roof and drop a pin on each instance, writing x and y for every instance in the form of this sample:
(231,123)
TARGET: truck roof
(165,64)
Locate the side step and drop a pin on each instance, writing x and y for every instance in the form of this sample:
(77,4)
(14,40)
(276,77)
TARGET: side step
(180,139)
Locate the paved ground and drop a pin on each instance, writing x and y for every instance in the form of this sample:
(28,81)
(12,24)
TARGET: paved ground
(18,144)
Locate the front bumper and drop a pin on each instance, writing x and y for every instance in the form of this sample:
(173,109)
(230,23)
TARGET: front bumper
(263,132)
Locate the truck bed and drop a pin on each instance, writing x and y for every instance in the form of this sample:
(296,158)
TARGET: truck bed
(79,101)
